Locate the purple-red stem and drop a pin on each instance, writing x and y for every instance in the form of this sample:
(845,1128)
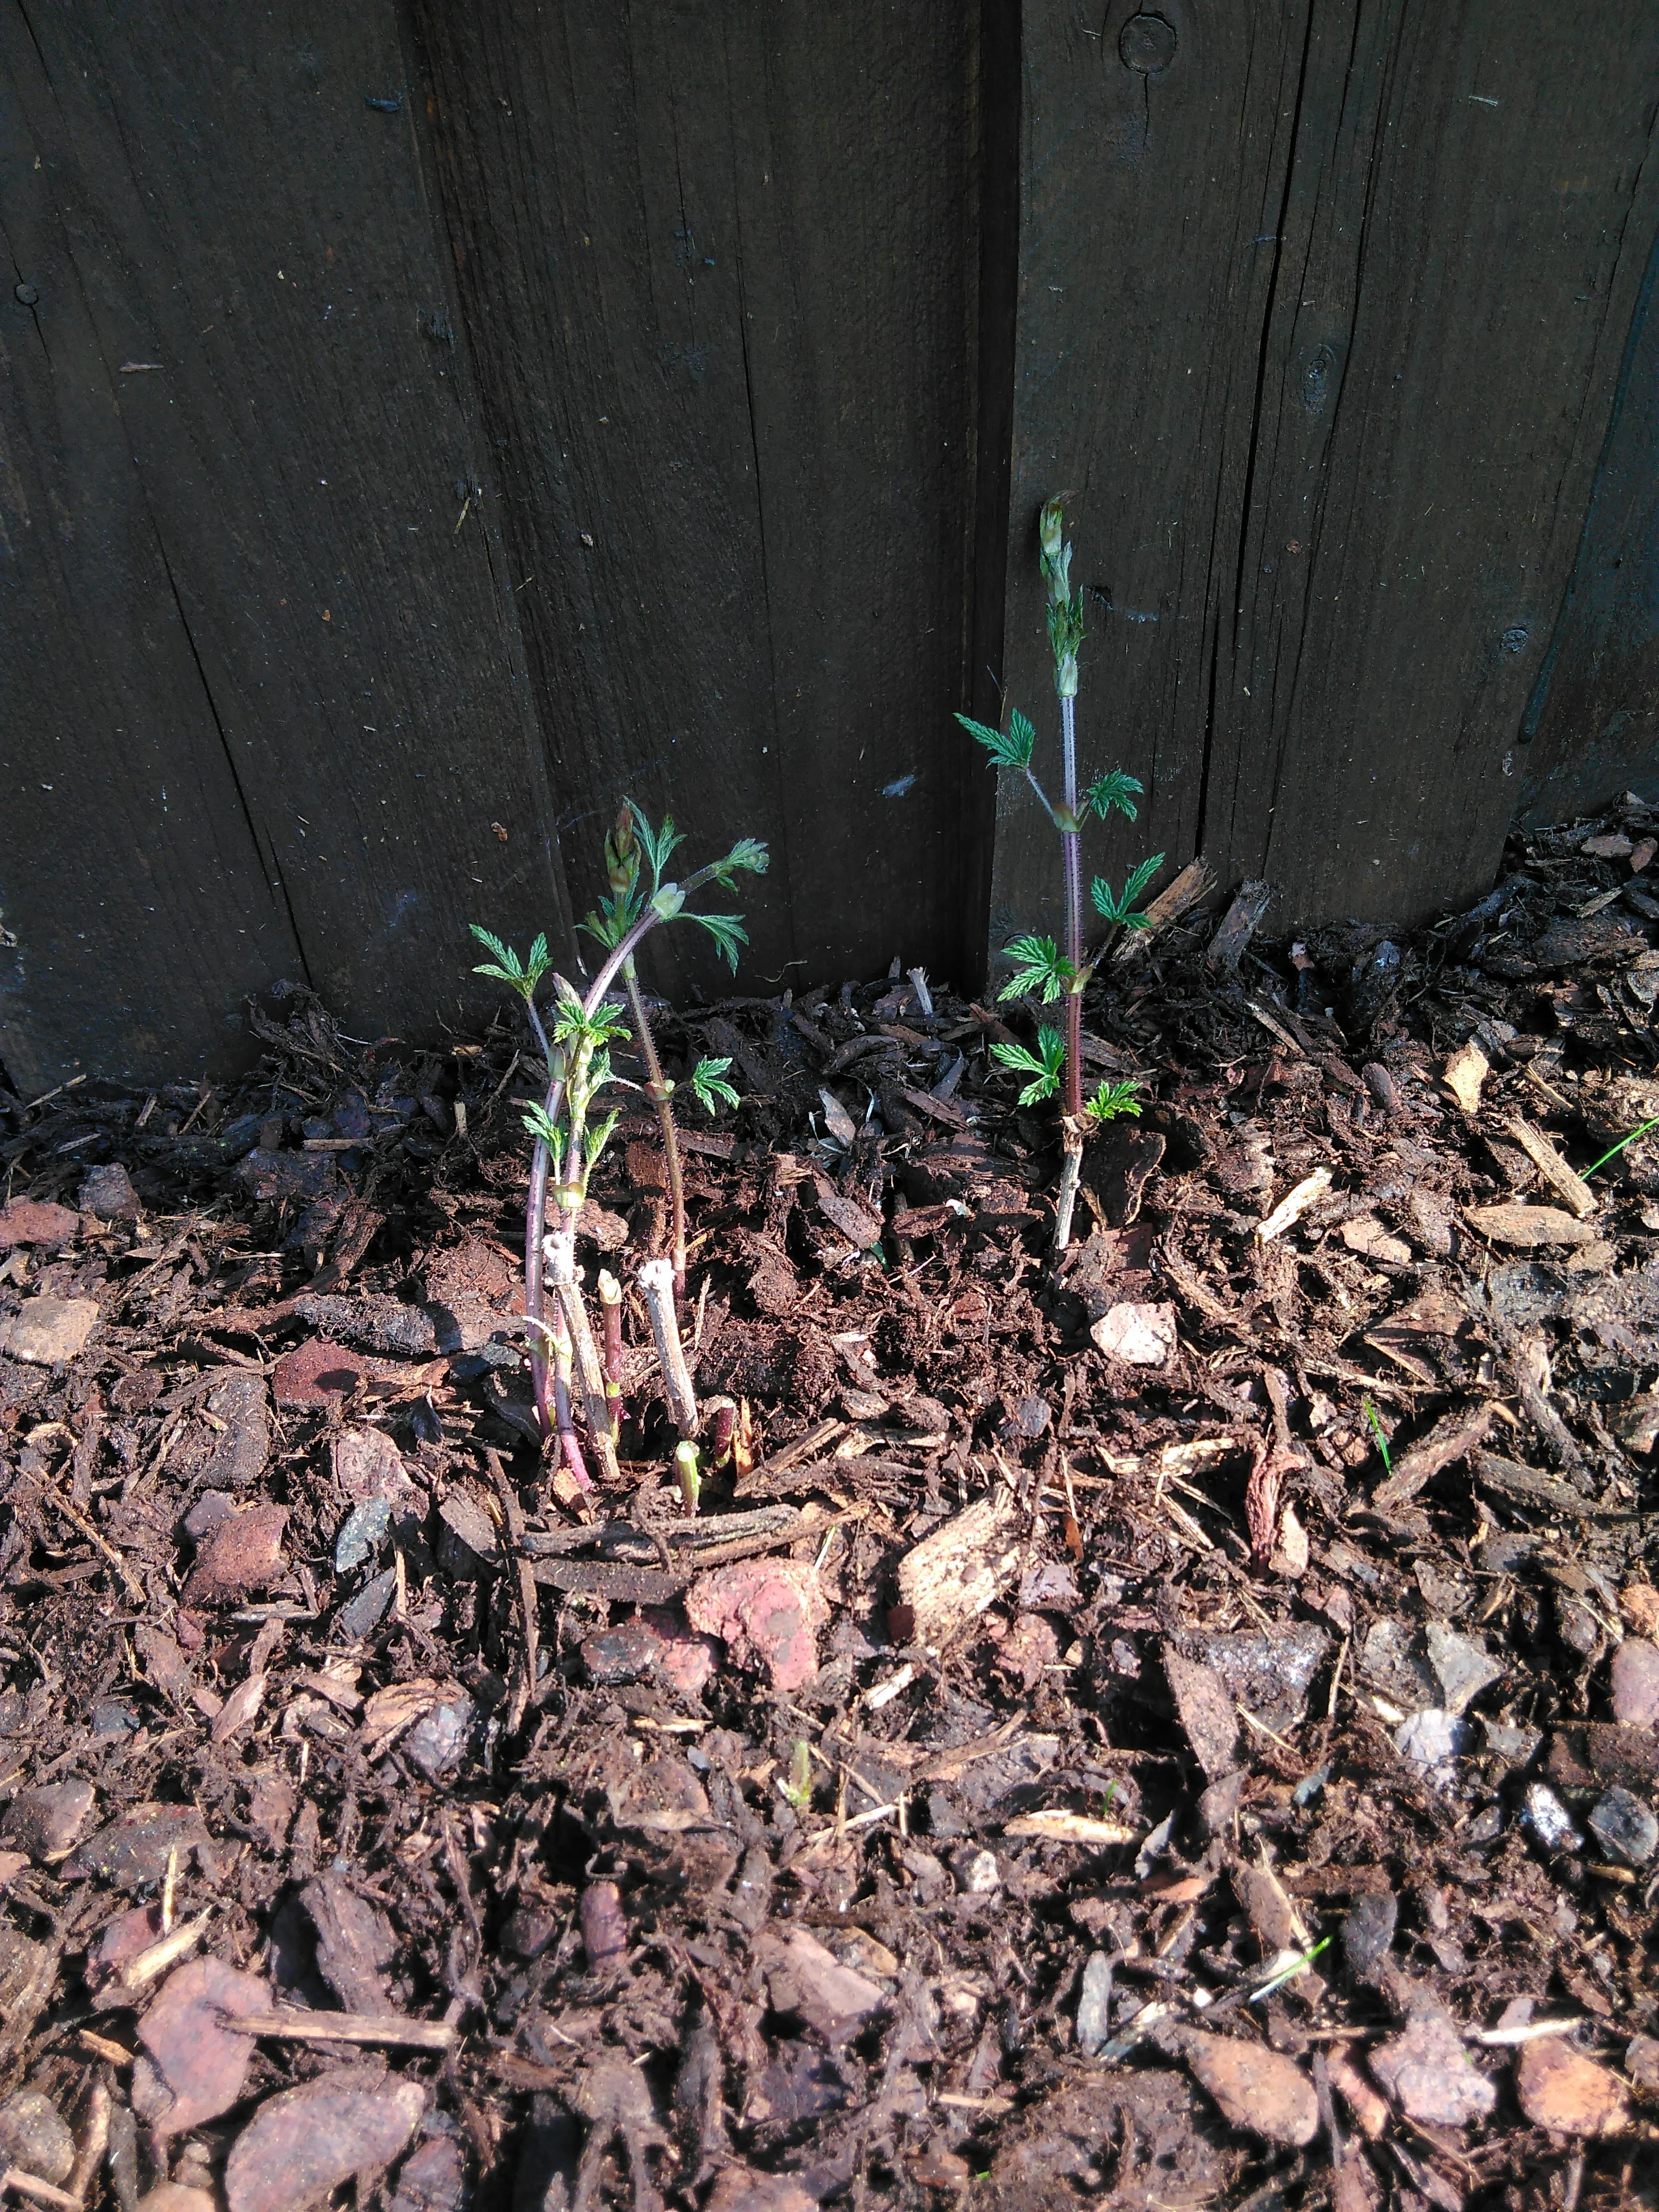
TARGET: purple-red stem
(1072,846)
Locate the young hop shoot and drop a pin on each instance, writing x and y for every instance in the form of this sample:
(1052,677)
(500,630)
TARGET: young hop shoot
(569,1131)
(1043,969)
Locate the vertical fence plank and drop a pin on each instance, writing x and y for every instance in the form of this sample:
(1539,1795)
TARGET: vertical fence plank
(714,261)
(1334,474)
(232,207)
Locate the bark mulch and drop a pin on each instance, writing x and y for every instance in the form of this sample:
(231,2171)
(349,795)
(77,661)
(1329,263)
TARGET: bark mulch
(1178,1729)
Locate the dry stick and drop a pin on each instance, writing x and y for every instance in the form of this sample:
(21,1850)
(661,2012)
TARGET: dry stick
(95,2143)
(658,1092)
(656,1282)
(345,2028)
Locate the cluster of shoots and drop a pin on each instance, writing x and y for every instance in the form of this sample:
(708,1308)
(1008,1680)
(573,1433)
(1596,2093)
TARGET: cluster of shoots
(1043,968)
(572,1368)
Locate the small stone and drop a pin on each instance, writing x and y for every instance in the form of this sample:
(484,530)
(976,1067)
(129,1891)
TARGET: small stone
(1367,1932)
(1570,2094)
(317,1374)
(241,1453)
(1638,1607)
(365,1611)
(241,1555)
(34,2138)
(46,1332)
(982,1876)
(1261,2091)
(1461,1664)
(1548,1818)
(767,1612)
(1625,1829)
(1141,1335)
(1027,1420)
(1432,1740)
(439,1737)
(46,1822)
(210,1511)
(108,1193)
(1642,2062)
(1426,2073)
(1518,1744)
(367,1464)
(1634,1682)
(614,1656)
(1094,2026)
(362,1533)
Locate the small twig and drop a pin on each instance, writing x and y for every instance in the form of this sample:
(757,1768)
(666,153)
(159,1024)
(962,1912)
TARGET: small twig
(345,2028)
(95,2143)
(139,1972)
(1071,1175)
(72,1513)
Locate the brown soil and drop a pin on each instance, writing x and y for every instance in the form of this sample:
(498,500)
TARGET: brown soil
(1064,1657)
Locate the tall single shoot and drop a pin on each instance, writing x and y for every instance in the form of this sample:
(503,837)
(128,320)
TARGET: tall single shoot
(1044,968)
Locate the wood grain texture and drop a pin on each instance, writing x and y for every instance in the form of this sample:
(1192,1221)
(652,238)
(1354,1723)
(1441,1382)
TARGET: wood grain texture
(332,652)
(1321,316)
(1591,729)
(716,265)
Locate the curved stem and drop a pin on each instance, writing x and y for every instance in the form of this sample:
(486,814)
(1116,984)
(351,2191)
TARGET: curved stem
(657,1091)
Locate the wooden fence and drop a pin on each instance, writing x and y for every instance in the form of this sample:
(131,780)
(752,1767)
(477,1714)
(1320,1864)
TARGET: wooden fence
(422,425)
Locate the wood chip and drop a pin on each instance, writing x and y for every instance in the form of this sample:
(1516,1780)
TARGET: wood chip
(1568,1185)
(1572,2095)
(1528,1227)
(1464,1074)
(1292,1207)
(955,1573)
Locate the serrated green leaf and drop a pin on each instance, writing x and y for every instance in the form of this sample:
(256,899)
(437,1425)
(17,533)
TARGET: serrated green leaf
(660,845)
(1113,1099)
(727,932)
(1044,1066)
(1141,878)
(708,1086)
(1009,748)
(1117,790)
(548,1132)
(1039,966)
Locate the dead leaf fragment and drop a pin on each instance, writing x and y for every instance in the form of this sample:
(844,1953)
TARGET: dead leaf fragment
(1466,1071)
(1562,2090)
(200,2059)
(240,1708)
(1207,1713)
(1257,2089)
(301,2144)
(1366,1234)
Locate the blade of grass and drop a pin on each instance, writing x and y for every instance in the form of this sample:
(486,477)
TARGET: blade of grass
(1618,1148)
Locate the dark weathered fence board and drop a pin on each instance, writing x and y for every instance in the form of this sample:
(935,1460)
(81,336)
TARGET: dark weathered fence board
(1320,313)
(335,664)
(1592,727)
(716,265)
(110,764)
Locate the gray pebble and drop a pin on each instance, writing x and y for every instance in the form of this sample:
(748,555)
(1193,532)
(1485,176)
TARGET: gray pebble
(1624,1827)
